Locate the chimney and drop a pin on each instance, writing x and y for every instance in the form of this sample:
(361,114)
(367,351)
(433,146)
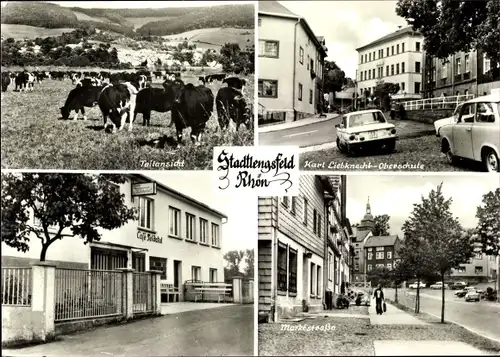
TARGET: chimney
(399,27)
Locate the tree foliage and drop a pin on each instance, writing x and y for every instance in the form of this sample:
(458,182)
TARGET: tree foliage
(450,26)
(40,14)
(488,226)
(234,260)
(380,276)
(384,91)
(382,226)
(65,205)
(334,78)
(234,60)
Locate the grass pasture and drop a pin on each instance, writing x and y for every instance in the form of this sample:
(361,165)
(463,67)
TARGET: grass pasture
(20,32)
(214,38)
(35,137)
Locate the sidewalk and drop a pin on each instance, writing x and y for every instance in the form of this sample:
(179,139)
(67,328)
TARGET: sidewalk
(393,316)
(295,124)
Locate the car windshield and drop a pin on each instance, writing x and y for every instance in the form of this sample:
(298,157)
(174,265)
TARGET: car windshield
(366,119)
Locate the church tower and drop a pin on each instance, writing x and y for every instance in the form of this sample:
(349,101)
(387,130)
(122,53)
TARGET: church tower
(368,222)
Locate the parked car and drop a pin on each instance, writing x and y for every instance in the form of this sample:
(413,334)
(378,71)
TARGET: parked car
(472,295)
(476,134)
(458,285)
(450,120)
(464,291)
(438,285)
(365,129)
(414,285)
(362,299)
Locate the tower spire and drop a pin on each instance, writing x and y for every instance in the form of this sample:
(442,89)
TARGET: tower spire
(368,209)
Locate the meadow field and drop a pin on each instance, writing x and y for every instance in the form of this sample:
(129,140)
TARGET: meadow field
(20,32)
(34,136)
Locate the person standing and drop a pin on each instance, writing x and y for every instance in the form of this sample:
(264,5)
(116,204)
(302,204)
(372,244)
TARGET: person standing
(378,295)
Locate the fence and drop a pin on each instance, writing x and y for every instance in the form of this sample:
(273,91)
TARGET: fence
(144,292)
(16,286)
(81,294)
(437,103)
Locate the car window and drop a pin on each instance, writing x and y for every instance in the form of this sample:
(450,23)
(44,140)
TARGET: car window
(467,113)
(456,113)
(356,120)
(344,121)
(485,113)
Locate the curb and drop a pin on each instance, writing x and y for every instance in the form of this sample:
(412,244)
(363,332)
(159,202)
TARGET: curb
(291,125)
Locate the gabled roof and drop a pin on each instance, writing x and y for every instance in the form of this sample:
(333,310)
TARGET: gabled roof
(275,8)
(399,33)
(381,241)
(361,235)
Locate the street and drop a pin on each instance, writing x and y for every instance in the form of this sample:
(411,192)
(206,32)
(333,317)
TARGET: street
(220,331)
(482,317)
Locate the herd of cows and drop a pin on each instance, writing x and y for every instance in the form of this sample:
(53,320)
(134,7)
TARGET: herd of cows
(121,96)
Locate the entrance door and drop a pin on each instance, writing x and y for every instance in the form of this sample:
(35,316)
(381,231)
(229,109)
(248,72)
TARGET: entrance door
(177,273)
(139,262)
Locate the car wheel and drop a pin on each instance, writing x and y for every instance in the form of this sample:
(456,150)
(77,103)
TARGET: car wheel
(452,159)
(339,146)
(391,146)
(490,161)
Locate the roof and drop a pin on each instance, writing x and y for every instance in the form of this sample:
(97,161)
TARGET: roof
(181,195)
(364,111)
(361,235)
(275,8)
(381,241)
(494,98)
(399,33)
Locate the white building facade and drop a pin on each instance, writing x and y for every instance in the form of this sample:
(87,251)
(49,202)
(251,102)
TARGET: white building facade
(174,234)
(395,58)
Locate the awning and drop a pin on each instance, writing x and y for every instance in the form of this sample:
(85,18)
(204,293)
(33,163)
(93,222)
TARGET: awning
(116,245)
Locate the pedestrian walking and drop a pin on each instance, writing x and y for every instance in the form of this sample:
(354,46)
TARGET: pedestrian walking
(393,111)
(378,295)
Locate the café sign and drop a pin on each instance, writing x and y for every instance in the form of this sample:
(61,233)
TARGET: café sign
(149,237)
(142,189)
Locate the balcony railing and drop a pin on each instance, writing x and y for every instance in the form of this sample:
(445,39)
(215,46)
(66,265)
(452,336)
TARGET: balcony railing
(437,103)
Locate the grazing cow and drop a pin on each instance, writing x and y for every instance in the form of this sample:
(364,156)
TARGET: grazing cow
(142,81)
(215,77)
(22,80)
(116,101)
(88,82)
(156,99)
(5,81)
(80,97)
(235,82)
(231,105)
(192,108)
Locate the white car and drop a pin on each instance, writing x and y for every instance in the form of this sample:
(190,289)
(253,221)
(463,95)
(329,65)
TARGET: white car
(476,134)
(414,285)
(450,120)
(365,129)
(438,285)
(473,295)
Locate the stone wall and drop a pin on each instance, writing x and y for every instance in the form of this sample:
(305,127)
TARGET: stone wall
(428,115)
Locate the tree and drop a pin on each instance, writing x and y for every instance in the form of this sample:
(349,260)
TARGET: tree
(334,78)
(488,228)
(233,259)
(380,276)
(384,91)
(250,260)
(70,205)
(382,226)
(399,274)
(450,26)
(434,239)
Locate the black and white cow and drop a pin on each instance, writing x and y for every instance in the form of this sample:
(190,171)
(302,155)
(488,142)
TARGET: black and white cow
(5,81)
(231,106)
(79,98)
(116,101)
(25,81)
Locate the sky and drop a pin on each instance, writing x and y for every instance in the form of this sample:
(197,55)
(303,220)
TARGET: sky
(395,195)
(240,231)
(139,4)
(347,25)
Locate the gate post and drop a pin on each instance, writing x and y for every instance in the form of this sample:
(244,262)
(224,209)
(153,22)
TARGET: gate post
(237,290)
(43,300)
(128,292)
(156,292)
(251,291)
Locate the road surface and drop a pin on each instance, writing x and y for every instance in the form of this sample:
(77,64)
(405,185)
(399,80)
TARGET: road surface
(307,135)
(482,317)
(219,331)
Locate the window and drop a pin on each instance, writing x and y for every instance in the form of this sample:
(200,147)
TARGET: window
(458,65)
(478,270)
(313,277)
(417,67)
(190,226)
(260,22)
(215,235)
(380,255)
(387,71)
(195,273)
(305,209)
(370,56)
(268,88)
(389,266)
(485,113)
(392,50)
(467,64)
(460,269)
(373,73)
(301,55)
(300,92)
(159,264)
(402,67)
(389,255)
(308,63)
(403,47)
(378,249)
(318,279)
(330,266)
(387,52)
(284,201)
(293,205)
(361,59)
(315,220)
(319,226)
(478,256)
(369,74)
(268,48)
(444,70)
(310,96)
(146,213)
(203,231)
(213,275)
(282,267)
(174,216)
(370,256)
(486,64)
(397,68)
(417,87)
(361,74)
(292,270)
(417,46)
(369,267)
(139,262)
(467,113)
(392,69)
(403,86)
(370,249)
(397,48)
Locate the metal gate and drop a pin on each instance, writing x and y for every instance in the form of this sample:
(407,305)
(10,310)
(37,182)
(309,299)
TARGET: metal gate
(144,292)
